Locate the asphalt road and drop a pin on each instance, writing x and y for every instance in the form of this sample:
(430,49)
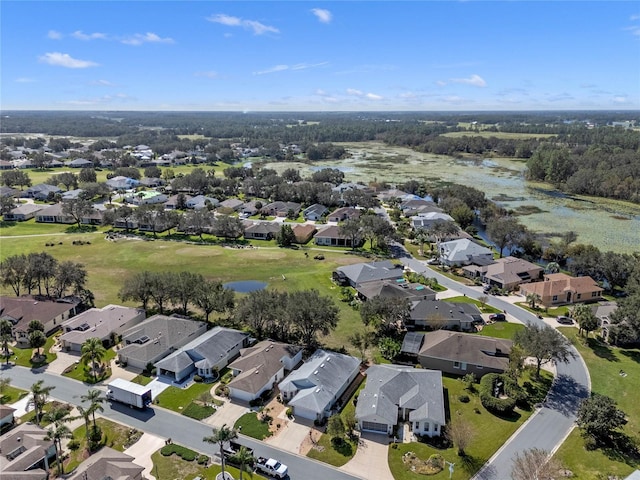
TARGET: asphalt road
(167,424)
(549,426)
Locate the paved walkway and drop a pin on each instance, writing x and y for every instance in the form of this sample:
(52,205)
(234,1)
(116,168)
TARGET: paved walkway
(292,435)
(371,458)
(142,451)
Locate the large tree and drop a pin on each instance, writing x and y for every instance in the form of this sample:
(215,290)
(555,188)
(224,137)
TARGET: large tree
(138,288)
(285,237)
(383,313)
(544,344)
(221,436)
(185,285)
(211,296)
(460,432)
(69,275)
(5,338)
(535,464)
(505,231)
(37,340)
(226,226)
(77,208)
(584,316)
(95,399)
(243,458)
(13,270)
(599,417)
(311,314)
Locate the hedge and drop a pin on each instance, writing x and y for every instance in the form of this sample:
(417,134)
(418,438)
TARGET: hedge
(502,406)
(183,452)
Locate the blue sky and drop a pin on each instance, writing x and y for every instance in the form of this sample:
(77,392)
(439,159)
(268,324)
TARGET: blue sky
(320,56)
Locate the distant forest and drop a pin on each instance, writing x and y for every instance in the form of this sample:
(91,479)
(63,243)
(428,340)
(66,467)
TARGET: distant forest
(587,153)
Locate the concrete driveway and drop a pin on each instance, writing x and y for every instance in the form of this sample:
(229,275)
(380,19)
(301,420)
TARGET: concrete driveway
(370,460)
(62,361)
(227,414)
(142,450)
(292,435)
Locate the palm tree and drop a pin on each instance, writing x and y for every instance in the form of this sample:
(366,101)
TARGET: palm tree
(533,299)
(244,458)
(94,351)
(5,338)
(56,433)
(95,399)
(422,237)
(221,436)
(441,229)
(39,394)
(85,414)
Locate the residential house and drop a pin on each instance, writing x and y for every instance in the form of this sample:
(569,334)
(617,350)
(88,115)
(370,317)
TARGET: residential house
(26,453)
(462,353)
(282,209)
(261,367)
(108,463)
(122,183)
(232,203)
(6,416)
(456,253)
(562,289)
(386,195)
(146,197)
(411,346)
(437,314)
(205,355)
(102,323)
(53,214)
(343,213)
(4,165)
(398,290)
(418,206)
(505,273)
(262,231)
(397,394)
(314,212)
(343,187)
(249,208)
(426,220)
(21,310)
(79,163)
(313,389)
(200,201)
(42,191)
(151,182)
(359,273)
(331,236)
(9,192)
(172,202)
(22,212)
(71,194)
(156,337)
(303,232)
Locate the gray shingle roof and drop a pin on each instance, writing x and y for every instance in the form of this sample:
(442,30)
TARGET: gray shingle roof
(320,378)
(390,387)
(488,352)
(369,272)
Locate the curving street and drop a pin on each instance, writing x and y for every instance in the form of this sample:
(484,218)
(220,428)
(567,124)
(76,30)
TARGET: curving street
(549,426)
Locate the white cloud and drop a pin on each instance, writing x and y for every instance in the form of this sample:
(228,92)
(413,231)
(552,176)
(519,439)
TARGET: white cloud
(275,68)
(633,18)
(80,35)
(302,66)
(324,16)
(620,99)
(65,60)
(209,74)
(103,83)
(441,83)
(373,96)
(453,99)
(149,37)
(475,80)
(230,21)
(54,35)
(24,80)
(354,92)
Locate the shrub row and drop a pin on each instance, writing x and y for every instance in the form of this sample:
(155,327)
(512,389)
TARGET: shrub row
(183,452)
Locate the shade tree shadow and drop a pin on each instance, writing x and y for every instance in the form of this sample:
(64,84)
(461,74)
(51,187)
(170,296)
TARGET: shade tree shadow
(566,395)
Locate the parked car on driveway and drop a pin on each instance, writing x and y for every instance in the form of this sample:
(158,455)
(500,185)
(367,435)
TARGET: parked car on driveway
(498,317)
(564,320)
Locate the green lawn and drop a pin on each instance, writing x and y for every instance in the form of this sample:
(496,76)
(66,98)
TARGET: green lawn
(175,467)
(82,372)
(107,263)
(31,414)
(252,427)
(501,330)
(605,363)
(142,379)
(22,356)
(489,433)
(178,399)
(11,394)
(198,411)
(114,435)
(484,308)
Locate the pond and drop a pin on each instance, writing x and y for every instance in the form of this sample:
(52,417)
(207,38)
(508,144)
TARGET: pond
(606,224)
(245,286)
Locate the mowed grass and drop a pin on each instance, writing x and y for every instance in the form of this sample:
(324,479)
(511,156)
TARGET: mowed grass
(11,394)
(501,330)
(252,426)
(108,263)
(175,467)
(605,363)
(178,399)
(489,433)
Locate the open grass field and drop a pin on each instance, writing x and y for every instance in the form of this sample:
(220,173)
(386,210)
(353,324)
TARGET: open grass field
(605,364)
(108,262)
(489,433)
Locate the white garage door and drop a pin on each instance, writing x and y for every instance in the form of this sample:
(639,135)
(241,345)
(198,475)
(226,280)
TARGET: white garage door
(374,427)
